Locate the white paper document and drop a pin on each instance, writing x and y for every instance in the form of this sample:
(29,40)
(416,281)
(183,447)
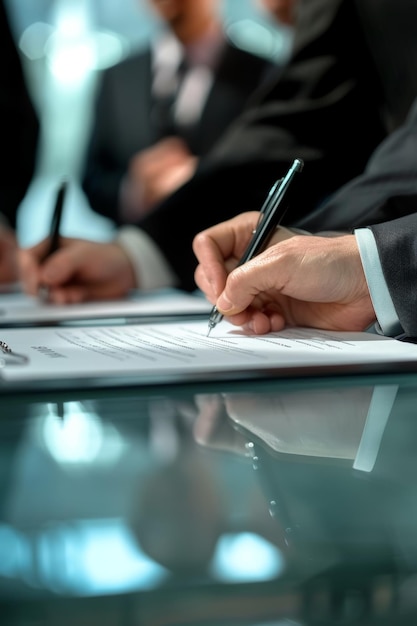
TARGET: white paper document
(183,348)
(20,309)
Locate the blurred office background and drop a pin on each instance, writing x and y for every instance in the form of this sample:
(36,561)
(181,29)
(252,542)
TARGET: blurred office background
(64,45)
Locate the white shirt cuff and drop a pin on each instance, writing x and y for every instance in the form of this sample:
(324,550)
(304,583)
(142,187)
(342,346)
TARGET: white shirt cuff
(151,268)
(379,411)
(382,302)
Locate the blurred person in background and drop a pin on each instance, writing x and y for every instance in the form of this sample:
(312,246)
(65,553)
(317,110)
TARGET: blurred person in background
(162,108)
(331,105)
(20,131)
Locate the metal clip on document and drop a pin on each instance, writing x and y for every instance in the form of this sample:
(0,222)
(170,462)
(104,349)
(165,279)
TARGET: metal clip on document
(8,357)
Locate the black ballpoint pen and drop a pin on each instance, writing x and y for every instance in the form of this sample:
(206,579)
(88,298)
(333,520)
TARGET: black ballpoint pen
(54,233)
(56,219)
(271,214)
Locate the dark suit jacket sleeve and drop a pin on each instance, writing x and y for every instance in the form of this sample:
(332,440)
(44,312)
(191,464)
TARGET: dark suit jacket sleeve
(386,189)
(323,108)
(19,124)
(396,243)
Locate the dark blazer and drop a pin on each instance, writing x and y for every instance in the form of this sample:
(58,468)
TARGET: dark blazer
(332,104)
(123,124)
(386,189)
(19,125)
(396,243)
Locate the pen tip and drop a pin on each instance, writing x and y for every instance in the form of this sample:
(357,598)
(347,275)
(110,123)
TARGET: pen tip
(209,331)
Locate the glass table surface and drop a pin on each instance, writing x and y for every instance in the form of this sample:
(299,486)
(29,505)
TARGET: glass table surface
(263,503)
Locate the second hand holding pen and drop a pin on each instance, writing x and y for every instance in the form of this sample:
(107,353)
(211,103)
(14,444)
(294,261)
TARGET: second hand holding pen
(271,214)
(55,229)
(56,219)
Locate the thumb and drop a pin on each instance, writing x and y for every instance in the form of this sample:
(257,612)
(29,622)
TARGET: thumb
(245,282)
(224,305)
(242,286)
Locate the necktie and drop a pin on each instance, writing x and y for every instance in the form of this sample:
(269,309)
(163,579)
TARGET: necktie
(163,109)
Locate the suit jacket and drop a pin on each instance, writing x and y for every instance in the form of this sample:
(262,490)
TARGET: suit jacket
(19,125)
(385,190)
(331,105)
(396,243)
(123,124)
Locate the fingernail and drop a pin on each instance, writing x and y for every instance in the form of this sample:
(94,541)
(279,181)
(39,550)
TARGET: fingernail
(224,303)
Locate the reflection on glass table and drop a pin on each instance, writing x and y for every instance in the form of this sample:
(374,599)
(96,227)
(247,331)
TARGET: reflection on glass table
(252,504)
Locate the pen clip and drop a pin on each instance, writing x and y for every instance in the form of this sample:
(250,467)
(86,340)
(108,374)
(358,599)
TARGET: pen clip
(267,204)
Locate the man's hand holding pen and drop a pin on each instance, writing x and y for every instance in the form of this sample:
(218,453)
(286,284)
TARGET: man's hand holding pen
(299,280)
(271,214)
(74,270)
(78,271)
(219,250)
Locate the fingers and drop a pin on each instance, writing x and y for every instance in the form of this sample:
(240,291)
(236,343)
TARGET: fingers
(29,263)
(299,279)
(263,322)
(210,275)
(54,270)
(226,239)
(159,157)
(302,281)
(161,169)
(245,283)
(68,261)
(306,268)
(218,250)
(80,270)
